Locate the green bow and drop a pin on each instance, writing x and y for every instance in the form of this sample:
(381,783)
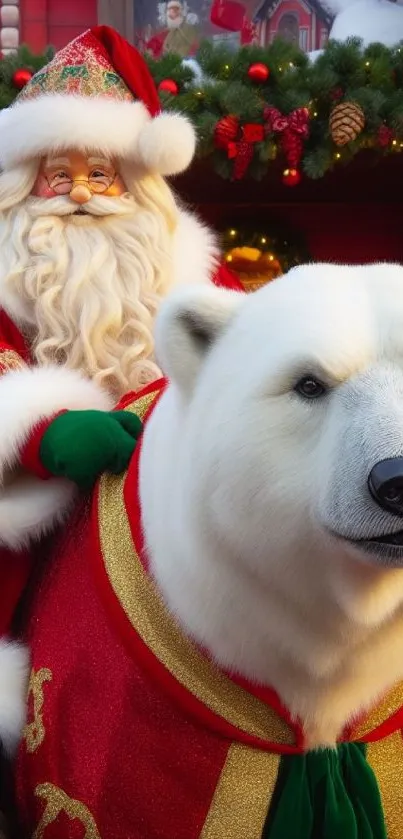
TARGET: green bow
(326,794)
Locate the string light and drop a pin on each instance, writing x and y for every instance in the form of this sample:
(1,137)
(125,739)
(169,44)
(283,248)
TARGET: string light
(394,142)
(367,64)
(232,233)
(337,155)
(263,240)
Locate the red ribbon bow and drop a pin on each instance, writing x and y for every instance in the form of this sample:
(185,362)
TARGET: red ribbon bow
(277,123)
(294,129)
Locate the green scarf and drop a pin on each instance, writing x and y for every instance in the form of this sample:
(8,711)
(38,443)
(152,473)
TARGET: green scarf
(326,794)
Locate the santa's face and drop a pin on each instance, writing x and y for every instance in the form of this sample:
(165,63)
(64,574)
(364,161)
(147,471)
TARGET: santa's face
(78,176)
(85,263)
(174,15)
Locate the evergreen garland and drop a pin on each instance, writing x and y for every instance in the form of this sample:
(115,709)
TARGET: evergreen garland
(22,59)
(371,78)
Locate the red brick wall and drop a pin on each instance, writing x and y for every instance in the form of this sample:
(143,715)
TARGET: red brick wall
(55,22)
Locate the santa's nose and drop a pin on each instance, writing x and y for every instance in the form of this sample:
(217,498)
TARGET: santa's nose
(80,194)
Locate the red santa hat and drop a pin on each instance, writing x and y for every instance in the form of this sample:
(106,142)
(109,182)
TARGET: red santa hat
(96,94)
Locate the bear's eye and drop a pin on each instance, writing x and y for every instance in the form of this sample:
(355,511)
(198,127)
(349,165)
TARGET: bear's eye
(310,388)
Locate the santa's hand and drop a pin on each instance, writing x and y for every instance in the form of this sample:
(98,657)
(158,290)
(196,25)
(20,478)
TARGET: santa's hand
(81,445)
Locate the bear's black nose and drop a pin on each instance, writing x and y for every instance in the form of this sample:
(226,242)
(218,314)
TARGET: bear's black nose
(385,484)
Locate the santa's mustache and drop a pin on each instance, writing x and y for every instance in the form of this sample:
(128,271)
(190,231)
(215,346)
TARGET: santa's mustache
(98,205)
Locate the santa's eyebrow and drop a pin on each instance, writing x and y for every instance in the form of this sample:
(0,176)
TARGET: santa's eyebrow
(58,161)
(99,161)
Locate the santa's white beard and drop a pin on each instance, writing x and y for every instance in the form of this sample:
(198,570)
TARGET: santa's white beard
(88,288)
(176,22)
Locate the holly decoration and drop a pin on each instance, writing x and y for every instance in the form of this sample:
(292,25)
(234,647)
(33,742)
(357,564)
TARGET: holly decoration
(168,86)
(21,77)
(225,131)
(385,136)
(346,122)
(238,141)
(293,130)
(258,72)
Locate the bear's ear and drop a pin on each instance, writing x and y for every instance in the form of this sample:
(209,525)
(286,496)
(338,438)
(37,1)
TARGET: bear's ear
(189,323)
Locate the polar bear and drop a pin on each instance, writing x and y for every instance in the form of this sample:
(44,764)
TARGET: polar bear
(217,646)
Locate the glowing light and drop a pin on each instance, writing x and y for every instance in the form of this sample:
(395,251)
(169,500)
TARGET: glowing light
(232,233)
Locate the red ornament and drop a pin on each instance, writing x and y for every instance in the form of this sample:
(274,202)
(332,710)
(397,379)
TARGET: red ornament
(258,72)
(226,132)
(21,77)
(385,136)
(291,177)
(336,94)
(168,86)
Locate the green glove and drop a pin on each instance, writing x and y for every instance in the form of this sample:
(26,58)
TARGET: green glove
(81,445)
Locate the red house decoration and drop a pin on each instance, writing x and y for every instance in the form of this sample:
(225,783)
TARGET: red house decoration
(306,23)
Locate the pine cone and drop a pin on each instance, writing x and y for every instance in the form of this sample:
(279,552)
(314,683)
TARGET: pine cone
(347,120)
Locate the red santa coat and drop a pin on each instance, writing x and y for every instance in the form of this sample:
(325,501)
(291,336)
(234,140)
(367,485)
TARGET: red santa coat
(132,732)
(29,508)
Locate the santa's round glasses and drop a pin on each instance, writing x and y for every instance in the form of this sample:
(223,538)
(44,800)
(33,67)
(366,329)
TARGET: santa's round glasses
(97,183)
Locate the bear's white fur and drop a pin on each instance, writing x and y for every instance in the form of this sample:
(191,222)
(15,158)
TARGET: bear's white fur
(252,495)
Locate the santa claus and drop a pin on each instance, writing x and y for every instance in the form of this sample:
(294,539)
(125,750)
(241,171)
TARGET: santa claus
(91,239)
(180,33)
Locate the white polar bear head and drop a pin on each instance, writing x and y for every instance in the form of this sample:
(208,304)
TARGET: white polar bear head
(272,469)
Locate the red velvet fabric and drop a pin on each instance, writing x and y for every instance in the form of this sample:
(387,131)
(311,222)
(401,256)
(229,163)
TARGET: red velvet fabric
(113,741)
(30,454)
(129,64)
(15,566)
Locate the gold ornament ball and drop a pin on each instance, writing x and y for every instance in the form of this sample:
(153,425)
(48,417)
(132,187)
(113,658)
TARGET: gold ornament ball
(347,120)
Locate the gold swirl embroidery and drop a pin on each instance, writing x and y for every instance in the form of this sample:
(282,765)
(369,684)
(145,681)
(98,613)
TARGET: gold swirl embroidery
(34,732)
(57,802)
(10,360)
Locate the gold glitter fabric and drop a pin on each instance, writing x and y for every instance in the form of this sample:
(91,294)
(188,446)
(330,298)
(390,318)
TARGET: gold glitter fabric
(81,68)
(57,802)
(386,759)
(391,703)
(143,606)
(10,360)
(242,796)
(34,732)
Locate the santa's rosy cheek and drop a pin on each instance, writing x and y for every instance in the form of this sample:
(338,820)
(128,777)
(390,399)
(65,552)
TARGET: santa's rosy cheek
(41,188)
